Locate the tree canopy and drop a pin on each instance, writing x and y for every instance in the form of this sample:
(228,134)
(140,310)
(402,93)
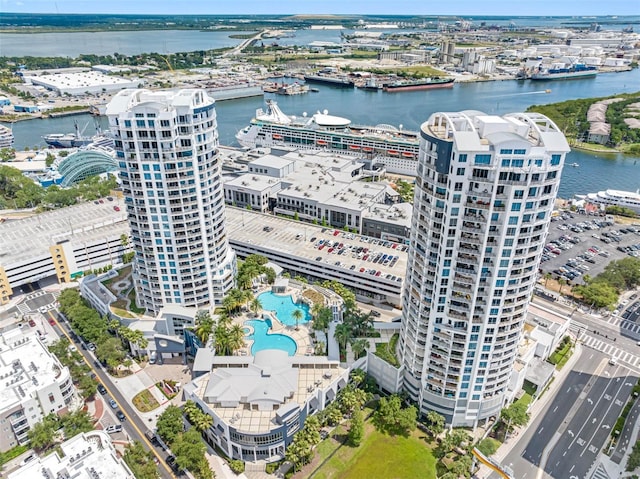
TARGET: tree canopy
(170,424)
(18,191)
(140,461)
(189,449)
(392,418)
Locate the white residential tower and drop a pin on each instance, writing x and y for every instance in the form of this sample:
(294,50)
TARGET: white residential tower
(167,149)
(484,194)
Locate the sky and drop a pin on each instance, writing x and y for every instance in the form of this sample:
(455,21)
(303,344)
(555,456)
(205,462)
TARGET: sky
(387,7)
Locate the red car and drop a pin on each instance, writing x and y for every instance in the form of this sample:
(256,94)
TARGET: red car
(116,208)
(52,321)
(32,323)
(336,232)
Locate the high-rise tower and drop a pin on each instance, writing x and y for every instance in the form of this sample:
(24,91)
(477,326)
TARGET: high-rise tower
(167,150)
(484,194)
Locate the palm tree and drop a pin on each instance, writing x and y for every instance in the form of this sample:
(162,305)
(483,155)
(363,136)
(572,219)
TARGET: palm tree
(222,340)
(190,408)
(255,306)
(245,297)
(236,338)
(203,330)
(561,282)
(359,346)
(547,277)
(229,303)
(297,316)
(201,421)
(342,334)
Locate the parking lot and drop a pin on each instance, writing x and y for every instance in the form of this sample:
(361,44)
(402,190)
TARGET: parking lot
(579,244)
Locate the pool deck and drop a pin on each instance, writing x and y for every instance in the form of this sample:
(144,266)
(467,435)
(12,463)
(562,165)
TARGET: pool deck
(303,336)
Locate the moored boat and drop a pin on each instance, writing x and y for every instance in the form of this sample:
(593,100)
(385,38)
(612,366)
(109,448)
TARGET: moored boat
(342,82)
(563,72)
(424,84)
(626,199)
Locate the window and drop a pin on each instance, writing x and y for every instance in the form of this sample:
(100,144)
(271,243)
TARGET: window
(483,160)
(515,207)
(519,152)
(460,171)
(555,160)
(513,220)
(517,163)
(505,152)
(462,158)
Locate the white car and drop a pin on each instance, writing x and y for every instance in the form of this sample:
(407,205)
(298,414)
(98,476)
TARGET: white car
(113,429)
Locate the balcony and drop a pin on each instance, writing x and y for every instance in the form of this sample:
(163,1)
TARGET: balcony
(485,193)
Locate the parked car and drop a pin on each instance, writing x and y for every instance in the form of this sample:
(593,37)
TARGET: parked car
(113,429)
(101,389)
(120,415)
(113,404)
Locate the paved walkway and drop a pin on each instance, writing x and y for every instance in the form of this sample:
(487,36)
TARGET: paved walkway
(95,408)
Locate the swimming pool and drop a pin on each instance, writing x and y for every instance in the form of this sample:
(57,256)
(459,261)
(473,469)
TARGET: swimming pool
(262,340)
(284,308)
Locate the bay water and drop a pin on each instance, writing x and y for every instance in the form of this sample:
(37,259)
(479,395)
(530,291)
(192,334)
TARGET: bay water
(409,109)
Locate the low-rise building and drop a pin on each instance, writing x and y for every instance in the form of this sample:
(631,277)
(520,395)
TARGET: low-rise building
(321,187)
(259,402)
(81,83)
(33,384)
(90,455)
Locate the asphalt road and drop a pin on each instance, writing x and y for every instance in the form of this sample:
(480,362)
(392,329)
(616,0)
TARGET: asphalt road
(133,425)
(569,432)
(586,433)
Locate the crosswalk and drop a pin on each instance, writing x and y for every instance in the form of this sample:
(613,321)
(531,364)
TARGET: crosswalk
(629,326)
(627,358)
(600,473)
(23,308)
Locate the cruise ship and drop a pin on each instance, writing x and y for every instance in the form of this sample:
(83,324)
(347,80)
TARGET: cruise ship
(395,148)
(626,199)
(6,137)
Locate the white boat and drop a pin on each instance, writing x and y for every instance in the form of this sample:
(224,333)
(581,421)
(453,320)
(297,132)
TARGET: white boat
(6,137)
(627,199)
(561,71)
(575,165)
(395,148)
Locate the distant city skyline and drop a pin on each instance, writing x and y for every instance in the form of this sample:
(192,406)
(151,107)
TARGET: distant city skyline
(361,7)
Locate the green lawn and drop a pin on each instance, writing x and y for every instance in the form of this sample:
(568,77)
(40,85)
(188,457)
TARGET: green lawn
(561,355)
(381,456)
(387,351)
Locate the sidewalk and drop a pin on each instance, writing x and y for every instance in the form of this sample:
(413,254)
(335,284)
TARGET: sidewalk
(535,409)
(95,408)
